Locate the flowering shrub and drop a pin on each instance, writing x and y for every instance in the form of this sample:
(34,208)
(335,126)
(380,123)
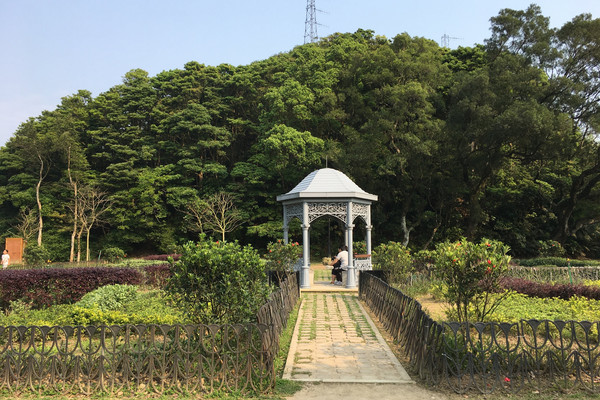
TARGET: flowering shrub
(281,257)
(550,248)
(471,272)
(395,259)
(359,247)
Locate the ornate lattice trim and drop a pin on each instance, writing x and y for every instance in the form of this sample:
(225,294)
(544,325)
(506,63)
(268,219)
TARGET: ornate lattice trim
(318,210)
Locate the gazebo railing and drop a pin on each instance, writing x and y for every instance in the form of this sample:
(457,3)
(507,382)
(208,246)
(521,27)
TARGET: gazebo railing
(362,262)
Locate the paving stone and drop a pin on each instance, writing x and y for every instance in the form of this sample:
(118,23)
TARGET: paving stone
(327,346)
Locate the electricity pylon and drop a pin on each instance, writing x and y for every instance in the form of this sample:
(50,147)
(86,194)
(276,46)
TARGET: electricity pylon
(310,25)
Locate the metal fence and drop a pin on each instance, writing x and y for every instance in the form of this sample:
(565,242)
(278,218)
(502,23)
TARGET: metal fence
(575,275)
(488,357)
(142,358)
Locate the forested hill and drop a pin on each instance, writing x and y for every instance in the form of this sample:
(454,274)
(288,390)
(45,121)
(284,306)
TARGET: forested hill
(498,140)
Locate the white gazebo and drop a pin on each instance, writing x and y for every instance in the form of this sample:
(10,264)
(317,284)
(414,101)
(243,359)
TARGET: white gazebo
(328,192)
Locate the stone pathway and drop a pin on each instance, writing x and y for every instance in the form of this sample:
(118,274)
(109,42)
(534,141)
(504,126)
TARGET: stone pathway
(335,341)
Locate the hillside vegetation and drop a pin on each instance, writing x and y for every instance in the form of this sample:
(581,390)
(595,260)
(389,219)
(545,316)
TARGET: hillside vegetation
(498,141)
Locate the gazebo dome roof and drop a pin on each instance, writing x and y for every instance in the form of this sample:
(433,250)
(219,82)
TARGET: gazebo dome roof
(326,183)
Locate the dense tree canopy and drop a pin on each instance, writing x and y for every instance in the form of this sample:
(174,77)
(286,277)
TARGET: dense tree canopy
(499,141)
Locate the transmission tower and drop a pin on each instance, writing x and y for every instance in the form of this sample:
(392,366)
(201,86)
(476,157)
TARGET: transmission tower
(446,40)
(310,25)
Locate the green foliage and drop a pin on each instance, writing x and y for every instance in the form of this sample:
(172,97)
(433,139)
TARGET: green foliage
(518,306)
(488,141)
(471,272)
(359,247)
(281,257)
(218,282)
(109,297)
(395,259)
(35,255)
(146,307)
(550,248)
(113,254)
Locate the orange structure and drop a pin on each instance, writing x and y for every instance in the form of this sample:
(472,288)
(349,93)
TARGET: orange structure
(15,247)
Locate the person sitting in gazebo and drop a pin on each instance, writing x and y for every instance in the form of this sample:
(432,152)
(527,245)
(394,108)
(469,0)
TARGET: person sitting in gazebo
(339,263)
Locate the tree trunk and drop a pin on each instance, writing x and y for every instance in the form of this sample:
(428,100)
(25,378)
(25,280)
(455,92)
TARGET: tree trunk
(474,218)
(405,231)
(75,206)
(87,244)
(39,202)
(433,232)
(79,233)
(74,233)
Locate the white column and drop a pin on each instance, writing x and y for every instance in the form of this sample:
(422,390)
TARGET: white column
(351,281)
(305,274)
(368,236)
(285,225)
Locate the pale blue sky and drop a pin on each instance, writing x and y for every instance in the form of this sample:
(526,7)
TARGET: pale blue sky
(52,48)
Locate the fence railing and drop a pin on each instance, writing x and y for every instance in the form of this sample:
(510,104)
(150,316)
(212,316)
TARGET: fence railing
(142,358)
(556,274)
(488,357)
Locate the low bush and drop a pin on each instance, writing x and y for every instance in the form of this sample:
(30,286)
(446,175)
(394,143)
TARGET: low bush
(550,248)
(146,307)
(35,255)
(395,259)
(113,254)
(519,307)
(157,275)
(162,257)
(109,297)
(550,290)
(281,257)
(44,287)
(93,316)
(218,282)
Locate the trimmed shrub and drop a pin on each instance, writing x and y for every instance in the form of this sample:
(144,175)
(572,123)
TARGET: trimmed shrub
(45,287)
(157,275)
(219,282)
(109,297)
(162,257)
(549,290)
(113,254)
